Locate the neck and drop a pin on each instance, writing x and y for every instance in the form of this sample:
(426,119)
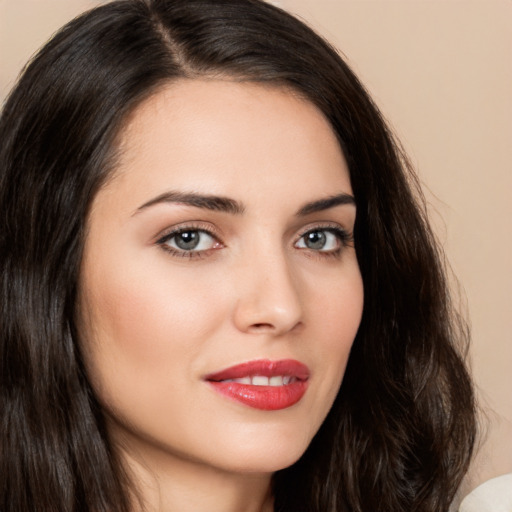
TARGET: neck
(168,483)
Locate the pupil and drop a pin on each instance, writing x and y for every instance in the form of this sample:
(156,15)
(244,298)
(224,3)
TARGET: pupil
(187,240)
(315,240)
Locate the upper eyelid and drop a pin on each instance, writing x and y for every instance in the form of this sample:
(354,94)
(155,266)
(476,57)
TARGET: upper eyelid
(319,226)
(212,231)
(188,226)
(344,235)
(167,235)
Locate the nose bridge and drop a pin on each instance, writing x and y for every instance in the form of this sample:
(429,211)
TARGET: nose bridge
(268,292)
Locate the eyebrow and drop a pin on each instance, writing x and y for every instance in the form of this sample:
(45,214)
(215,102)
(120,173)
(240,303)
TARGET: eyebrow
(228,205)
(208,202)
(325,204)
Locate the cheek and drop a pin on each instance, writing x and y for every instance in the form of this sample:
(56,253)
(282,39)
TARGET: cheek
(343,315)
(336,313)
(336,309)
(146,323)
(347,318)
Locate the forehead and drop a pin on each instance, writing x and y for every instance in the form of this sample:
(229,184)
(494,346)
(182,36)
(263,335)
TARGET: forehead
(214,135)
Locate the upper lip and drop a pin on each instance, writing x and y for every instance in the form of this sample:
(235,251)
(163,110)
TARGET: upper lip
(264,368)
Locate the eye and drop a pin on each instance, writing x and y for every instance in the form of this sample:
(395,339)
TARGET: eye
(187,241)
(323,239)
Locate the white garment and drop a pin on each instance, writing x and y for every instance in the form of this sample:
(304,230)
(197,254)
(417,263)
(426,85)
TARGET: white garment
(495,495)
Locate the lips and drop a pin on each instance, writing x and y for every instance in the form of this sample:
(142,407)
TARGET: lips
(263,384)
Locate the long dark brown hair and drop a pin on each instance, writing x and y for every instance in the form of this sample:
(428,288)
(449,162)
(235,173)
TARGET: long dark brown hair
(400,434)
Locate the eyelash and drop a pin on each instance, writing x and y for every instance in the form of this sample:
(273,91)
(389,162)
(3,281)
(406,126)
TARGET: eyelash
(344,239)
(166,237)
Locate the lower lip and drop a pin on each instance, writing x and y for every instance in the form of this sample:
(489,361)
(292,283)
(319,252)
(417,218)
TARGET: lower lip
(266,398)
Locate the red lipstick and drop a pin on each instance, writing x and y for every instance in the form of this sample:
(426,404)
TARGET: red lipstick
(263,384)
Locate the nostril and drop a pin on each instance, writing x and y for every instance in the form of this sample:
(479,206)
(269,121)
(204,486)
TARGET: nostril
(262,326)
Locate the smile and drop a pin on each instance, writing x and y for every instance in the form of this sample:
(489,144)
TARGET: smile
(260,380)
(263,384)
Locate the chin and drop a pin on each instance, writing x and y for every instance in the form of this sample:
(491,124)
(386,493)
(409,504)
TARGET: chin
(265,454)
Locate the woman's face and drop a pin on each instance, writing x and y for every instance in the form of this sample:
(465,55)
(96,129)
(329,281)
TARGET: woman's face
(220,292)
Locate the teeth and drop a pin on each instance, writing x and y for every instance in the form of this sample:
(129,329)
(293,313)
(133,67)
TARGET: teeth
(243,380)
(276,381)
(260,380)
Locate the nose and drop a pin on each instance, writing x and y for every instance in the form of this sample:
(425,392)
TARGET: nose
(268,299)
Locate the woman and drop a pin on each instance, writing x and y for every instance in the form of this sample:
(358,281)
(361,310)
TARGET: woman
(183,272)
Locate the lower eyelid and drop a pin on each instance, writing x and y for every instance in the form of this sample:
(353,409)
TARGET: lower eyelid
(174,251)
(170,232)
(343,238)
(342,235)
(172,235)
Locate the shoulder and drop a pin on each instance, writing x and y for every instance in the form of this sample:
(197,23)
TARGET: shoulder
(494,495)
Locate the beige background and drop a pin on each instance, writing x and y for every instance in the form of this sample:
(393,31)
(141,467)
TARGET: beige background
(441,71)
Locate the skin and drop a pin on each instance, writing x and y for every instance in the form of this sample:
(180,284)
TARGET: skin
(153,323)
